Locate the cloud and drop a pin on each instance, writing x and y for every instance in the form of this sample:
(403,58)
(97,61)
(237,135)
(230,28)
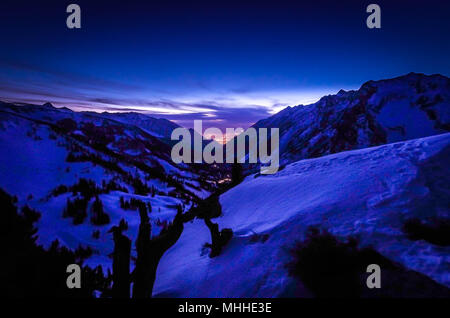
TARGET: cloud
(213,113)
(221,117)
(16,71)
(242,90)
(222,108)
(217,113)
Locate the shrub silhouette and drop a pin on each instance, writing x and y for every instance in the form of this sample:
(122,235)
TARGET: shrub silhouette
(327,267)
(96,234)
(134,204)
(112,185)
(207,208)
(218,238)
(331,268)
(67,125)
(76,209)
(86,188)
(436,231)
(99,217)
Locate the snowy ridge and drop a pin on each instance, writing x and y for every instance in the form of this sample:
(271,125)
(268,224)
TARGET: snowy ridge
(380,112)
(368,193)
(158,127)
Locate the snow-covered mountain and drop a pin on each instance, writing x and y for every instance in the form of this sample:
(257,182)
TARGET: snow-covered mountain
(380,112)
(366,182)
(158,127)
(53,156)
(369,193)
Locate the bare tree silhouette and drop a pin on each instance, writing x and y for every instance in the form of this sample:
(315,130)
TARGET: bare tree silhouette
(150,250)
(121,262)
(218,238)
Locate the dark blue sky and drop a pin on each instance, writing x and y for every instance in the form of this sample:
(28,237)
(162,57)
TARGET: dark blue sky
(230,63)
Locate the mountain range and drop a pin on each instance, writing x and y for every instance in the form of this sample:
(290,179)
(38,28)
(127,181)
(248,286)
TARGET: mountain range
(360,162)
(379,112)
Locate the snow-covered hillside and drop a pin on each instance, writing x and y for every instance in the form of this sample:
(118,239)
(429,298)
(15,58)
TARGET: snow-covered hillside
(368,193)
(380,112)
(47,152)
(62,163)
(157,127)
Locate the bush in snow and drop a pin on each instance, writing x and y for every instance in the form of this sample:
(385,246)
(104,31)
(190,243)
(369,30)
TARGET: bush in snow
(59,190)
(207,208)
(66,125)
(112,185)
(99,217)
(329,267)
(96,234)
(134,204)
(218,238)
(86,187)
(436,231)
(76,209)
(96,159)
(140,187)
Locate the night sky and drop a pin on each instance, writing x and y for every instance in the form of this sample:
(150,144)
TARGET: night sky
(230,63)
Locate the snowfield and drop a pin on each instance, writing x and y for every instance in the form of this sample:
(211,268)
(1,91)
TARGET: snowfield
(367,193)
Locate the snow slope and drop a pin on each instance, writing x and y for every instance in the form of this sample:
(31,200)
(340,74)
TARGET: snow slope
(368,193)
(385,111)
(33,163)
